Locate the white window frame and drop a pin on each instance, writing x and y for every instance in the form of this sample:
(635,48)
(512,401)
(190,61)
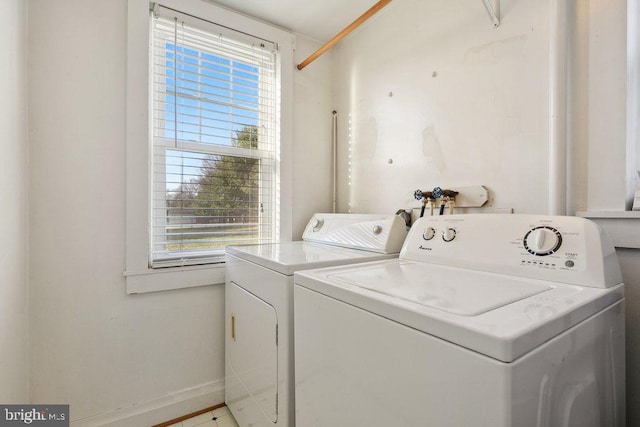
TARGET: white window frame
(140,277)
(633,101)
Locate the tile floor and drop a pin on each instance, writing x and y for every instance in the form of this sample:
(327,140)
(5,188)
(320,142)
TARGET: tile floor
(222,415)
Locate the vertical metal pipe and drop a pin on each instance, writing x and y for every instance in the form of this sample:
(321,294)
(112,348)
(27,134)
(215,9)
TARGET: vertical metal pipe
(633,101)
(334,162)
(558,109)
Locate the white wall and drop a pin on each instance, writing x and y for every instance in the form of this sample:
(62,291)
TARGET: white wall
(92,346)
(451,101)
(607,105)
(13,199)
(312,118)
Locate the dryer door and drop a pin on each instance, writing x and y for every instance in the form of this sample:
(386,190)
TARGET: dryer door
(252,351)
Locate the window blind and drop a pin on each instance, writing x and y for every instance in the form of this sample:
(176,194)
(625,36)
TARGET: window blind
(215,142)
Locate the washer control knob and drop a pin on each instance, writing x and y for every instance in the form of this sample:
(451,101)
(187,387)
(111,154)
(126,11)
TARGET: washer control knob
(377,229)
(317,224)
(542,240)
(449,234)
(429,233)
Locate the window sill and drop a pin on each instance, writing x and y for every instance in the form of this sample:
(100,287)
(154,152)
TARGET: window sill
(623,227)
(164,279)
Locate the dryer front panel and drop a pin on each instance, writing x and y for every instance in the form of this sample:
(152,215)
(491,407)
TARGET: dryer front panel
(252,351)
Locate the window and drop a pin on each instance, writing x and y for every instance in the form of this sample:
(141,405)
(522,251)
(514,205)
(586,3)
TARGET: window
(214,140)
(209,124)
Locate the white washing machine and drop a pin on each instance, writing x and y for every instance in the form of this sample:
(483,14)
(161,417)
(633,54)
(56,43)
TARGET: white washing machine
(259,306)
(484,320)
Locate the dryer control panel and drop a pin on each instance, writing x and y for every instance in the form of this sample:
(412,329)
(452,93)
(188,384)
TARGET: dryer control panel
(558,248)
(370,232)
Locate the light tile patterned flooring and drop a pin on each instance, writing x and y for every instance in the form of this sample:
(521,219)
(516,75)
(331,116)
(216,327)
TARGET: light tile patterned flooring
(223,418)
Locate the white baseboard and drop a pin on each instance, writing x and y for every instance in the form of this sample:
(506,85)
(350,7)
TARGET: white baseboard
(159,410)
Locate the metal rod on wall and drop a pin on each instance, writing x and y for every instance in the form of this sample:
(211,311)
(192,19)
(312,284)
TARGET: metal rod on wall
(493,9)
(342,34)
(334,164)
(558,64)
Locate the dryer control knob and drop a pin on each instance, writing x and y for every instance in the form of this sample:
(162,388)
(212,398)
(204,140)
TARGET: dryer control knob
(317,224)
(449,234)
(377,230)
(542,240)
(429,233)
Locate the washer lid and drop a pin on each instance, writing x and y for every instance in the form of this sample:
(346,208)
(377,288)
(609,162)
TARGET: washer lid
(469,308)
(460,292)
(288,257)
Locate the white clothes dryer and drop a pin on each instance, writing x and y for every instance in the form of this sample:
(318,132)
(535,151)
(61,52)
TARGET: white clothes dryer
(259,306)
(484,320)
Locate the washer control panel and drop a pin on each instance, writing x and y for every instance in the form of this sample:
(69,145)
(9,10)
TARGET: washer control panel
(448,234)
(558,248)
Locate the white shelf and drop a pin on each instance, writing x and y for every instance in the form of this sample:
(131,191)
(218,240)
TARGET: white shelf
(623,227)
(609,214)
